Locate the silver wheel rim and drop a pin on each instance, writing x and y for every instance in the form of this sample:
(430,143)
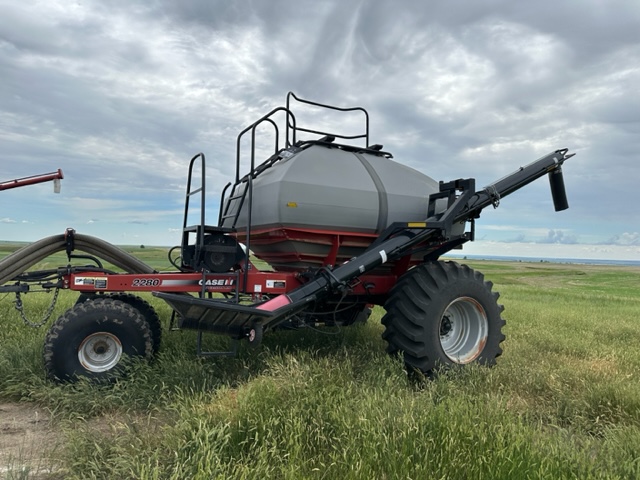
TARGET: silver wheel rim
(464,329)
(100,352)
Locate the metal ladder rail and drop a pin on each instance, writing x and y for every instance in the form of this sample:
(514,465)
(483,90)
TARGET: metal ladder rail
(240,198)
(226,202)
(232,211)
(197,229)
(222,198)
(291,126)
(200,231)
(185,229)
(225,205)
(248,191)
(237,199)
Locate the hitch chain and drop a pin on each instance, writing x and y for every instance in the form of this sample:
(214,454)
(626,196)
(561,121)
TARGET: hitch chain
(47,314)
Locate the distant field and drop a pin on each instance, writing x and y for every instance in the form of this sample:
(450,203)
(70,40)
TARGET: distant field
(563,401)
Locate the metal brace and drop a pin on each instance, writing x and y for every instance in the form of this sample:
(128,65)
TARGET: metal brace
(69,239)
(493,195)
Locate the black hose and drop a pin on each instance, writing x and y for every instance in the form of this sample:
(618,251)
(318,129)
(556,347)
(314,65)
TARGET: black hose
(21,260)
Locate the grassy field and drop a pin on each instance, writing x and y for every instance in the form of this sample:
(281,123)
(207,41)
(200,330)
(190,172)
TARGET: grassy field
(563,401)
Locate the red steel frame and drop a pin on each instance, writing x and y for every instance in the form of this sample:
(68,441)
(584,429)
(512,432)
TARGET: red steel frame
(250,281)
(258,283)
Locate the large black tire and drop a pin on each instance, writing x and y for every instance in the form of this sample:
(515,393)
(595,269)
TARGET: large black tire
(140,304)
(93,338)
(442,314)
(147,311)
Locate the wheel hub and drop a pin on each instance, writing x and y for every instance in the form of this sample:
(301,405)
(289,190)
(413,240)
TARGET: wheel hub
(464,329)
(445,326)
(100,352)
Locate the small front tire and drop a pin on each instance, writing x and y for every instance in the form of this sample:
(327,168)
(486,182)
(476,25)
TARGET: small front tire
(93,338)
(254,336)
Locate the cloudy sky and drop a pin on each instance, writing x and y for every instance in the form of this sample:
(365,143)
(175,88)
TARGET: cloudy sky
(121,94)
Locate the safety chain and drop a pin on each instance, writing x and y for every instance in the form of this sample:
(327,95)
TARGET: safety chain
(47,314)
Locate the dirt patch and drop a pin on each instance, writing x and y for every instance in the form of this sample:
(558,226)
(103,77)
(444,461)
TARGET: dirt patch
(26,441)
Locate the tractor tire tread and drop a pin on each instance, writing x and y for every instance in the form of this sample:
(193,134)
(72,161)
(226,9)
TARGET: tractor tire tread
(422,294)
(58,342)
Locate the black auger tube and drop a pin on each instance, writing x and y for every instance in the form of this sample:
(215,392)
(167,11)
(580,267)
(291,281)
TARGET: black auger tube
(549,164)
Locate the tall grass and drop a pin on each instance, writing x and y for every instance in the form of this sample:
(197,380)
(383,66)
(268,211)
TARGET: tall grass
(563,401)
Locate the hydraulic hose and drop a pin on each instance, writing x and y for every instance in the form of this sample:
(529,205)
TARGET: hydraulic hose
(23,259)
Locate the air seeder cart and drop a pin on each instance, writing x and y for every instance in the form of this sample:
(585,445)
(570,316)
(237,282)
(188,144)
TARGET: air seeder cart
(342,228)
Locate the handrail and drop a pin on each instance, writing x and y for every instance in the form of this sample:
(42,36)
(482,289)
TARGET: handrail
(201,190)
(295,129)
(253,126)
(232,211)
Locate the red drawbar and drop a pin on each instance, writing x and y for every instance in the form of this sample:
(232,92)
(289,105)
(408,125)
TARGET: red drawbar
(275,303)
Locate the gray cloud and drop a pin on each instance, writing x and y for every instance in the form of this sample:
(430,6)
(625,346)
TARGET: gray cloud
(122,95)
(625,239)
(558,236)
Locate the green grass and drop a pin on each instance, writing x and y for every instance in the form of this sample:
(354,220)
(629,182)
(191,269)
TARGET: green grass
(563,401)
